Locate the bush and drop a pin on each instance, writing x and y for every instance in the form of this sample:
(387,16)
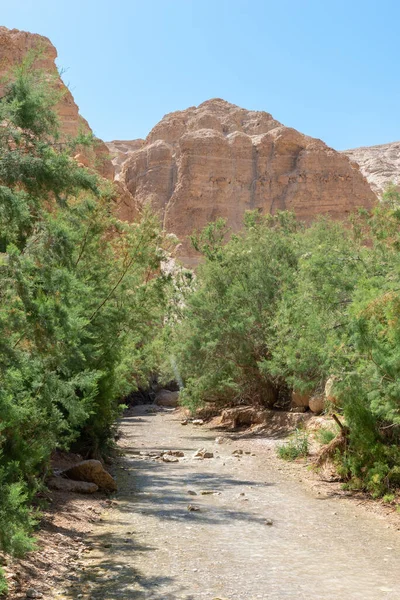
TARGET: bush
(81,301)
(280,307)
(222,338)
(296,447)
(324,435)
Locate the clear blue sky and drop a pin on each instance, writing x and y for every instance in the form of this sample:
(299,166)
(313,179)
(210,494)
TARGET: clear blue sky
(329,69)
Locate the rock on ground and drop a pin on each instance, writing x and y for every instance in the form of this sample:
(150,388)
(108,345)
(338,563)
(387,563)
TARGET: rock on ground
(68,485)
(167,398)
(93,471)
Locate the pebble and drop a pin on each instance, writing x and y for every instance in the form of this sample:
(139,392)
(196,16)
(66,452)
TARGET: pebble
(192,508)
(268,522)
(32,593)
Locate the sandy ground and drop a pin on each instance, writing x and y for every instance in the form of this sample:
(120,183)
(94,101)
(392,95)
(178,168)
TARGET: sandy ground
(264,529)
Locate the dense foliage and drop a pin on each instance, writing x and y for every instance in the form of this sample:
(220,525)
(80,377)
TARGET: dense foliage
(81,300)
(282,307)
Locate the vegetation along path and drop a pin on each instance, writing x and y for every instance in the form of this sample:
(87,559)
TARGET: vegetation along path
(249,532)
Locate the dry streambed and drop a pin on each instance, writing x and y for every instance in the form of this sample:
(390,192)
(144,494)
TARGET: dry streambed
(228,524)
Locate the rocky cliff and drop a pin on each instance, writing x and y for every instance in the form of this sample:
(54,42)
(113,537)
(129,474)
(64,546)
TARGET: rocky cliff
(220,160)
(120,151)
(379,164)
(14,45)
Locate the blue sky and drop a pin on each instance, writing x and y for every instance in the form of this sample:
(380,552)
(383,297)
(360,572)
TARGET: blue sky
(329,69)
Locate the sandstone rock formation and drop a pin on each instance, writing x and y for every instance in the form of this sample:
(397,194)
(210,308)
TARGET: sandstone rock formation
(220,160)
(14,45)
(379,164)
(120,151)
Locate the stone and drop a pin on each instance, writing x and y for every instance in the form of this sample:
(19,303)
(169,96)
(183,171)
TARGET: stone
(198,422)
(93,471)
(203,453)
(329,390)
(14,45)
(170,459)
(237,452)
(178,453)
(219,160)
(193,508)
(243,416)
(32,593)
(268,522)
(317,404)
(167,399)
(192,493)
(68,485)
(300,400)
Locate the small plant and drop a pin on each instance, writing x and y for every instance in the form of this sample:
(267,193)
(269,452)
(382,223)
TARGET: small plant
(325,435)
(296,447)
(3,584)
(389,498)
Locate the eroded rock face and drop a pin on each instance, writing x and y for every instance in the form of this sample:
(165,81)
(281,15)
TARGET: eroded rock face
(120,151)
(379,164)
(14,45)
(219,160)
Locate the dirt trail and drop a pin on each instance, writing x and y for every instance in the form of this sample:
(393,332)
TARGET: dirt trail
(150,546)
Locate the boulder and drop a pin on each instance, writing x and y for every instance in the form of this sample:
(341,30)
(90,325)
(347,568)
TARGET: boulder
(167,398)
(68,485)
(300,400)
(93,471)
(243,416)
(317,404)
(329,390)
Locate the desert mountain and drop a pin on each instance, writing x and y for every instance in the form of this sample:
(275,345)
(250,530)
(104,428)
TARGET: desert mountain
(212,160)
(220,160)
(14,45)
(379,164)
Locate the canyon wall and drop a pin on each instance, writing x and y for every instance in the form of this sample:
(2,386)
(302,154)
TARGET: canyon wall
(219,160)
(215,160)
(14,45)
(379,164)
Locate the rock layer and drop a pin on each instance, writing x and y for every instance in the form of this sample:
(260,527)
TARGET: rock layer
(14,45)
(219,160)
(379,164)
(120,151)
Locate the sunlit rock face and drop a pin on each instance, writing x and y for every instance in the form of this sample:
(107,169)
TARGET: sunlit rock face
(219,160)
(379,164)
(14,45)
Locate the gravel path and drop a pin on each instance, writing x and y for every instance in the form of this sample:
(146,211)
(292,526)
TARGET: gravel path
(257,533)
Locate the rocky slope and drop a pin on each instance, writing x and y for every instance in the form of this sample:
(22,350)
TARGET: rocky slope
(14,45)
(219,160)
(379,164)
(120,151)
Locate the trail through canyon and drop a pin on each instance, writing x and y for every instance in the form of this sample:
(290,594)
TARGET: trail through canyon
(230,527)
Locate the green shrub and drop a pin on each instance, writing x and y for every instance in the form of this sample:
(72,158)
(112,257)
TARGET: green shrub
(324,435)
(296,447)
(81,301)
(221,340)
